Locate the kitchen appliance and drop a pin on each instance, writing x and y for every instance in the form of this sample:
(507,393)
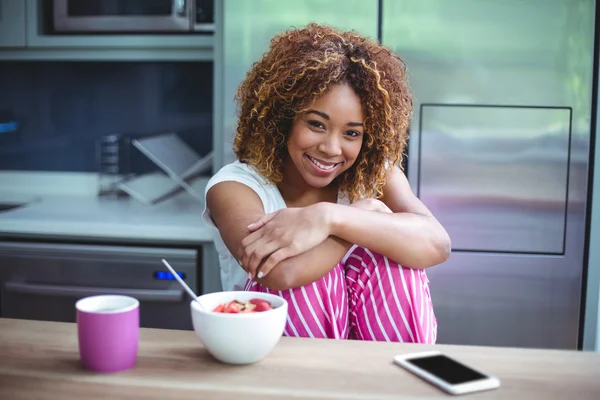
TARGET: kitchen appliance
(142,16)
(42,281)
(8,122)
(499,147)
(500,154)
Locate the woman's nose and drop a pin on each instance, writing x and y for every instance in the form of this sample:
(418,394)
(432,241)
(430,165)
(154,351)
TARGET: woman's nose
(331,146)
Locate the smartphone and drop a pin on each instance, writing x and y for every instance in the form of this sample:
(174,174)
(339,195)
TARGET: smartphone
(446,373)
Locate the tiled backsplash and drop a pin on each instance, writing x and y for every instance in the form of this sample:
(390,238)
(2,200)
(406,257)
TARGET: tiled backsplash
(63,108)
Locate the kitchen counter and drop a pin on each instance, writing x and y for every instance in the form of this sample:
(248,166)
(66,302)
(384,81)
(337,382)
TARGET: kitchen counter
(40,360)
(65,206)
(177,220)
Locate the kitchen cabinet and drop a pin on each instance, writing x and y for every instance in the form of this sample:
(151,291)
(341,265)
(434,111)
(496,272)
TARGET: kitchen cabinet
(13,23)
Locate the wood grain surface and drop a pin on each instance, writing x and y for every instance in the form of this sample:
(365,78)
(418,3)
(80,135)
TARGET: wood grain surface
(40,360)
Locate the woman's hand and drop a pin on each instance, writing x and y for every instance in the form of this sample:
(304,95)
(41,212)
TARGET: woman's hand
(281,235)
(371,204)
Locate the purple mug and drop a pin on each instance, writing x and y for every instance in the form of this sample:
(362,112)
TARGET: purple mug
(108,332)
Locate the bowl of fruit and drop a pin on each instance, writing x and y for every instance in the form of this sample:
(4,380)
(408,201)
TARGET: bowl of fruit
(239,327)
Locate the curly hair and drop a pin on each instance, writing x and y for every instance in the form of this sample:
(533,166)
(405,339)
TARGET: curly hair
(299,67)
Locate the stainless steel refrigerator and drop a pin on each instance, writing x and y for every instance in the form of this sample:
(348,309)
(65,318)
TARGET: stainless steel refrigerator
(499,145)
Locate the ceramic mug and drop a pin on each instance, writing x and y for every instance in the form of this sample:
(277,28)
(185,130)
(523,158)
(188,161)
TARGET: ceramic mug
(108,332)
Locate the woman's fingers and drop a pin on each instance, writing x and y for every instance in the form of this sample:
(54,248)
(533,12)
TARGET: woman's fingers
(247,242)
(256,253)
(264,248)
(253,227)
(273,260)
(253,237)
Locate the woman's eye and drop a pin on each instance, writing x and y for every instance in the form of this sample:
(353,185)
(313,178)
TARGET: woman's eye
(353,133)
(316,124)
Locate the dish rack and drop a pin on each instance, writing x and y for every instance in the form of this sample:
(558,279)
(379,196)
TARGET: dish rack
(181,166)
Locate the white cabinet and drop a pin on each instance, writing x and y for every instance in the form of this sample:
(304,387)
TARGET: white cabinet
(13,23)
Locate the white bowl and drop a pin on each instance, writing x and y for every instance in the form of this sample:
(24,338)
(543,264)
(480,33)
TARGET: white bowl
(239,338)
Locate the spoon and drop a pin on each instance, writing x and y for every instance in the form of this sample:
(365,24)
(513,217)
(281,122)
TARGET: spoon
(182,283)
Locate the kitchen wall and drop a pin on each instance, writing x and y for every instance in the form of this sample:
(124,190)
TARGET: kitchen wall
(64,107)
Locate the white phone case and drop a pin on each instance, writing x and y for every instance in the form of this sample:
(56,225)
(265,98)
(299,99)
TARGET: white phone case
(488,383)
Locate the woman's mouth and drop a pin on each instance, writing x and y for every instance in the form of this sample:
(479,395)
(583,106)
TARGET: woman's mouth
(322,167)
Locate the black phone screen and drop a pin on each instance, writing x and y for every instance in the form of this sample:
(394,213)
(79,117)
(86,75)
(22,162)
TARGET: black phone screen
(447,369)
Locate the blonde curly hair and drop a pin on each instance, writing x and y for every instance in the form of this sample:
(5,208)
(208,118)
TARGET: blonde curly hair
(299,67)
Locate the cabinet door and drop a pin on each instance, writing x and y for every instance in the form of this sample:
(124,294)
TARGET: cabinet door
(246,30)
(12,23)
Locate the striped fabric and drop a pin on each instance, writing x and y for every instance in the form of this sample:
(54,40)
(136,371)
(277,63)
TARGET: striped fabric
(365,297)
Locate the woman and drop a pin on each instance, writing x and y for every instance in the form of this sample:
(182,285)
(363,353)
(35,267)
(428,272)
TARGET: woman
(316,209)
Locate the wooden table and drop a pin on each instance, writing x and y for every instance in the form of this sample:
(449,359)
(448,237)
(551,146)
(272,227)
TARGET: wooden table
(40,360)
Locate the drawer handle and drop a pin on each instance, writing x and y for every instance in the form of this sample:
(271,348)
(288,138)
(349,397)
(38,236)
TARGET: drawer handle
(163,296)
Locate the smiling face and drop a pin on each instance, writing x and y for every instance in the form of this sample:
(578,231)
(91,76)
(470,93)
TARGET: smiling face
(325,141)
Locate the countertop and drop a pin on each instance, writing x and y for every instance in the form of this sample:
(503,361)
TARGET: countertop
(65,206)
(40,360)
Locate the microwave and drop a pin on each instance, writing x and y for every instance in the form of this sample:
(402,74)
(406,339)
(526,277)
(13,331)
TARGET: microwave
(131,16)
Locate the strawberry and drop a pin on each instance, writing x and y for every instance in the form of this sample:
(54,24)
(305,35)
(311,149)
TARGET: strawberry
(261,305)
(259,301)
(219,308)
(232,308)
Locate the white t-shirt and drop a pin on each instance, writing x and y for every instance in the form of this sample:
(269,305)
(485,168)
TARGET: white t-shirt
(233,277)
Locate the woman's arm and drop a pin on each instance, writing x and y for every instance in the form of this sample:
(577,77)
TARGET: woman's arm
(310,266)
(411,236)
(233,206)
(404,231)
